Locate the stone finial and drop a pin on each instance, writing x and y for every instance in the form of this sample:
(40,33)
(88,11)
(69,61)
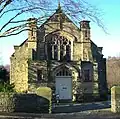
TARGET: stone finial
(16,47)
(32,21)
(100,49)
(59,7)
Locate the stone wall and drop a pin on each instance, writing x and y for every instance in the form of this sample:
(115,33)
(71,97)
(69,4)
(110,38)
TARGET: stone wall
(19,68)
(24,67)
(115,99)
(11,102)
(19,60)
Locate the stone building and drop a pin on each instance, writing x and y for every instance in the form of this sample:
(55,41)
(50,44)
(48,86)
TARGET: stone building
(61,56)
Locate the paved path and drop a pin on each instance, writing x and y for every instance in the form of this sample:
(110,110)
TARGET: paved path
(91,114)
(69,108)
(96,110)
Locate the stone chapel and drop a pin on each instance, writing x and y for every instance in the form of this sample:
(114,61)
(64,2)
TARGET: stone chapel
(62,56)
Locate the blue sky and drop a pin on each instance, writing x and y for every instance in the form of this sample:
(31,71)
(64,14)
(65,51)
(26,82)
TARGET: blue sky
(110,42)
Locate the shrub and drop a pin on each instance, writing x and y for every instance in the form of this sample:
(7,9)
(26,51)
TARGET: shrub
(4,74)
(6,87)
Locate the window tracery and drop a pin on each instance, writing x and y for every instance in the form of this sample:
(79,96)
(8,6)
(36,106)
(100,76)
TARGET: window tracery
(63,72)
(60,48)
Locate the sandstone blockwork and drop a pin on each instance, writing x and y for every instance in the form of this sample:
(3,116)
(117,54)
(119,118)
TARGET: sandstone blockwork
(115,99)
(59,50)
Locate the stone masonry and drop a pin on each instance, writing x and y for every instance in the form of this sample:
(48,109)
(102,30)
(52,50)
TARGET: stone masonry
(58,45)
(115,99)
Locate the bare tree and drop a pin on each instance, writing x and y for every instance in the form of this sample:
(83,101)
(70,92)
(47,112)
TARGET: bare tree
(16,23)
(113,71)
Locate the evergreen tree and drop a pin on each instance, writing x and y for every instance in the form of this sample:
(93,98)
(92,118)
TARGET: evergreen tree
(4,74)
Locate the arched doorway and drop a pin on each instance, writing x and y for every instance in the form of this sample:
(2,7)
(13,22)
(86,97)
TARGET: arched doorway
(63,83)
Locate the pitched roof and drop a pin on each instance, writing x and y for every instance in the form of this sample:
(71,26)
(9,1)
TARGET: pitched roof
(60,12)
(23,42)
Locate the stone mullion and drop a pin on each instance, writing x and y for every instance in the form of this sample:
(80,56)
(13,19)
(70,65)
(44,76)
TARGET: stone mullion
(64,50)
(52,51)
(70,54)
(71,51)
(58,48)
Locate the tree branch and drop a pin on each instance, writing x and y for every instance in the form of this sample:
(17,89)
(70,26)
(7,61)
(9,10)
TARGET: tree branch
(13,33)
(76,10)
(7,2)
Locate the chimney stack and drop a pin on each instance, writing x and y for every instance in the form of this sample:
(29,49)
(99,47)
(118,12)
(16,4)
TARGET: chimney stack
(85,24)
(32,28)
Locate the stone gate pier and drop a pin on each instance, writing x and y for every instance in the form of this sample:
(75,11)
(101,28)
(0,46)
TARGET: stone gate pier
(115,99)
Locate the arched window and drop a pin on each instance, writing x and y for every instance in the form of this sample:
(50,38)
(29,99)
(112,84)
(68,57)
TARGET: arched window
(55,52)
(60,48)
(63,72)
(68,52)
(39,75)
(86,33)
(61,52)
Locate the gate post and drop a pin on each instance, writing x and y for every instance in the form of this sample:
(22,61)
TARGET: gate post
(115,99)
